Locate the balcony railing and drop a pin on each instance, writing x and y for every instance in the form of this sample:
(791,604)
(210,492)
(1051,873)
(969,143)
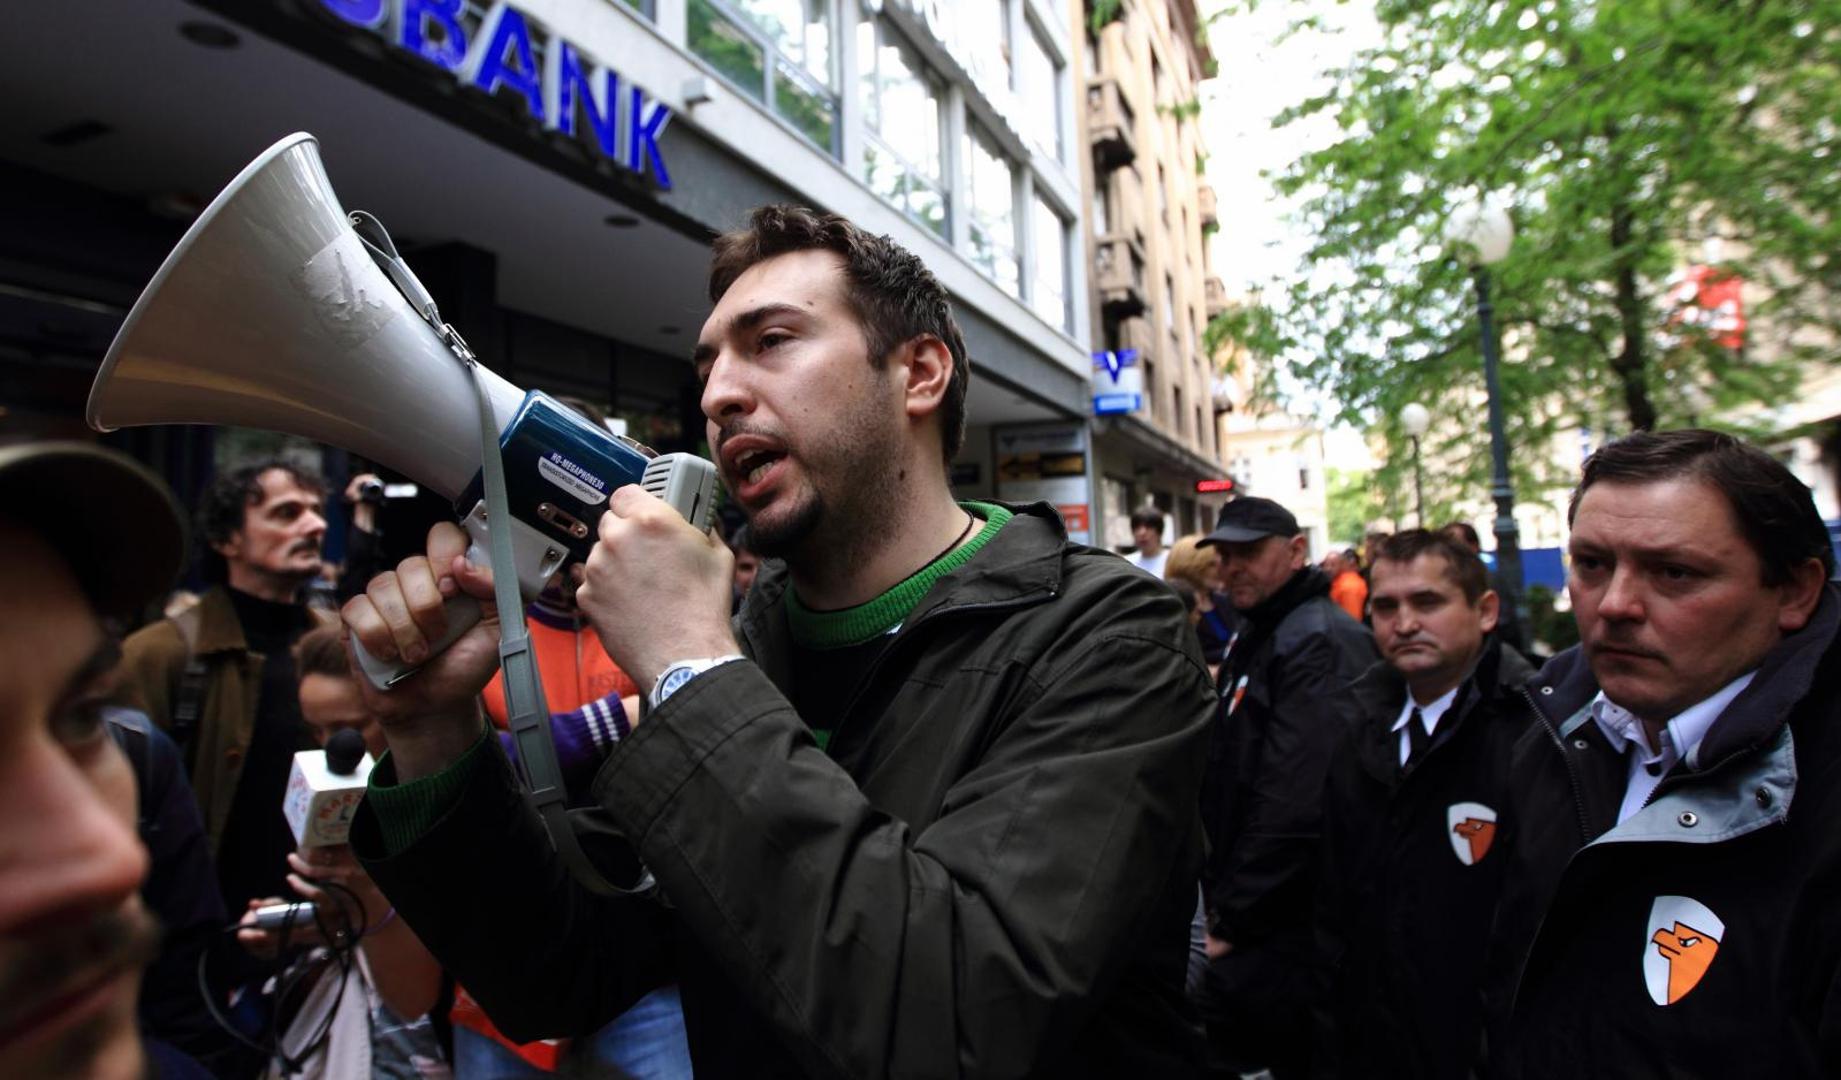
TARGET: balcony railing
(1109,125)
(1118,272)
(1214,297)
(1205,206)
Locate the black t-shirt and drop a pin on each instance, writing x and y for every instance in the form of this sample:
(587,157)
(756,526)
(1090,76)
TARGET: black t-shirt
(825,682)
(252,853)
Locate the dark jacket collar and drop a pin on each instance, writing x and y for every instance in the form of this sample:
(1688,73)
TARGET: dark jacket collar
(1381,693)
(1306,584)
(1566,685)
(1021,564)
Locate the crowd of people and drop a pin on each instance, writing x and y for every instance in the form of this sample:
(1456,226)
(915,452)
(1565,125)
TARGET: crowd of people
(915,785)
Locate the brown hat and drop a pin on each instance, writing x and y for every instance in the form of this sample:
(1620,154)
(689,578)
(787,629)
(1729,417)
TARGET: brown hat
(114,522)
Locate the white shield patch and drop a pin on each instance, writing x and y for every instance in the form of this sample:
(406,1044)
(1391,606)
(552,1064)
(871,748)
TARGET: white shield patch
(1471,828)
(1682,940)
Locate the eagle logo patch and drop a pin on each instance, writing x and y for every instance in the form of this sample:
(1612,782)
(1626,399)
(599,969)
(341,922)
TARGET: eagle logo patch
(1684,937)
(1471,828)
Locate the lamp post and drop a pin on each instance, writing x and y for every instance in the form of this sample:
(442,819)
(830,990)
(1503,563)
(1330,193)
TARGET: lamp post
(1482,232)
(1415,419)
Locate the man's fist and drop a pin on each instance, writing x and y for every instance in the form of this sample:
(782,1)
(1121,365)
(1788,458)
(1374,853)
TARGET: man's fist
(401,612)
(656,589)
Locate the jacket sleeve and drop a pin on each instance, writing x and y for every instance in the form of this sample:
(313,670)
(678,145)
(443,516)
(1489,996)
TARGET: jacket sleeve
(977,946)
(1269,870)
(484,889)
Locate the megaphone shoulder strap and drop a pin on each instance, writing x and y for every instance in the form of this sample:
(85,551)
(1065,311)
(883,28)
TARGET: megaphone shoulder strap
(527,713)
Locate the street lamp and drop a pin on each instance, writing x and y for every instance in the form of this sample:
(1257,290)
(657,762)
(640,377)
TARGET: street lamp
(1481,233)
(1415,419)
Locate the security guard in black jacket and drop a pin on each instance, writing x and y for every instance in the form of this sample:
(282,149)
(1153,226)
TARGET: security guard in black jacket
(1284,687)
(1411,867)
(1672,905)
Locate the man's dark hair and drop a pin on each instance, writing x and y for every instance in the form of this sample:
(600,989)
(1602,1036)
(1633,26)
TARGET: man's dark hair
(1148,517)
(321,651)
(739,540)
(1462,566)
(1464,532)
(225,501)
(1773,509)
(892,293)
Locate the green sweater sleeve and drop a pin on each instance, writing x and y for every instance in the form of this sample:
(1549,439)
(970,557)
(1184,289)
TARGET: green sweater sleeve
(406,811)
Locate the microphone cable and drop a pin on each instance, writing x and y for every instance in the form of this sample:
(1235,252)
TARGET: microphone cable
(339,951)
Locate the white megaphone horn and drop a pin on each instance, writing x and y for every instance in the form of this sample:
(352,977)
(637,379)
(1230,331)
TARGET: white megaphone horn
(274,312)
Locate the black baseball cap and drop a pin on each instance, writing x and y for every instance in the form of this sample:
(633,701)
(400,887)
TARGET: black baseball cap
(113,521)
(1250,518)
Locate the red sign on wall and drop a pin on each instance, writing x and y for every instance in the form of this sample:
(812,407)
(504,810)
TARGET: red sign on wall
(1706,299)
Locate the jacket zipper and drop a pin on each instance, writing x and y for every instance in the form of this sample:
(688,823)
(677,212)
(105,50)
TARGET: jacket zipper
(1572,774)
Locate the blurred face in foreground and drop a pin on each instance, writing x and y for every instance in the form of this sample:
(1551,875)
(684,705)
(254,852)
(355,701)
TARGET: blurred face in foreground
(1426,628)
(73,934)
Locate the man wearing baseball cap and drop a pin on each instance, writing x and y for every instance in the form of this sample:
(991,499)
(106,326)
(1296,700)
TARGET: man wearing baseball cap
(1284,689)
(85,535)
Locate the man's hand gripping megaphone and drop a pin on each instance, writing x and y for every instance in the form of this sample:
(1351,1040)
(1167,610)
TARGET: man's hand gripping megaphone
(655,589)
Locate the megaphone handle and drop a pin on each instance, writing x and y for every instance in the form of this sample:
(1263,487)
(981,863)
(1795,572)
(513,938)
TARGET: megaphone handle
(462,613)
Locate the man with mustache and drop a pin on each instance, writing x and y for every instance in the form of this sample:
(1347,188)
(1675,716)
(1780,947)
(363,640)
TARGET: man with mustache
(1674,855)
(220,679)
(1412,810)
(101,540)
(926,807)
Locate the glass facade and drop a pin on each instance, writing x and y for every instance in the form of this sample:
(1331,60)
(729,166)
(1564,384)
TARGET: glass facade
(990,190)
(1048,288)
(903,156)
(776,51)
(1039,86)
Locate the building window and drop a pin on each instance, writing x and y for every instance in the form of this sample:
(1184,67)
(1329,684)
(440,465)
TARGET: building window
(989,38)
(1182,415)
(1040,82)
(1169,306)
(990,197)
(1048,289)
(902,151)
(644,7)
(1163,195)
(775,51)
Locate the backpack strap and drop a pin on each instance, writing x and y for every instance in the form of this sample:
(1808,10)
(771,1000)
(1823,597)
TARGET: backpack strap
(189,703)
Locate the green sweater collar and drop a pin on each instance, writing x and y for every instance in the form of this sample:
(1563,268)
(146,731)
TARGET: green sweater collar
(856,625)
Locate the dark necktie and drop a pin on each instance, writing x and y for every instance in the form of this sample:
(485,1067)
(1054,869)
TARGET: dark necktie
(1416,740)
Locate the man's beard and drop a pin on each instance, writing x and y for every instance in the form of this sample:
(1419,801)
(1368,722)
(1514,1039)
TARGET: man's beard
(837,521)
(35,972)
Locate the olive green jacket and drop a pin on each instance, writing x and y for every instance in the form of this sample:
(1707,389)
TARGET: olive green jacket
(153,669)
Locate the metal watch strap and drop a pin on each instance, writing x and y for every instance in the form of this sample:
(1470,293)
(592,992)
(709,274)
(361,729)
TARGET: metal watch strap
(664,686)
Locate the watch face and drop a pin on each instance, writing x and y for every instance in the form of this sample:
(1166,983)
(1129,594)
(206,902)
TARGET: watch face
(674,678)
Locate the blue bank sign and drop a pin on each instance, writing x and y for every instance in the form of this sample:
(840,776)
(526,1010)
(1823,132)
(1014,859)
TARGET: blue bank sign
(1118,383)
(570,91)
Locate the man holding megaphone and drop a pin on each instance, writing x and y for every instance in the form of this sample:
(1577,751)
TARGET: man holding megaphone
(926,806)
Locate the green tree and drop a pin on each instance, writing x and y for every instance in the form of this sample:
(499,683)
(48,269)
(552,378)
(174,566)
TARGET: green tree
(1622,136)
(1353,501)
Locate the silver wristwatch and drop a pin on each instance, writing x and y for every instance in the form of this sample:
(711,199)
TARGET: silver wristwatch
(674,677)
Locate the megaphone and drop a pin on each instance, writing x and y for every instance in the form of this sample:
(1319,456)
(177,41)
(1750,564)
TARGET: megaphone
(279,311)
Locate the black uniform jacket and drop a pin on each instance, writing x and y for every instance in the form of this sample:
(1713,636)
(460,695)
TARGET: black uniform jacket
(1285,701)
(1701,937)
(992,872)
(1411,872)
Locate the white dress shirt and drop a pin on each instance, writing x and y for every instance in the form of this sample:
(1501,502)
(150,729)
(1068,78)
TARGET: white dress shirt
(1429,715)
(1680,740)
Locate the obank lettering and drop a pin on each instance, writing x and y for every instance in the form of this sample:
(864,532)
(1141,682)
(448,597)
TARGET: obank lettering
(624,121)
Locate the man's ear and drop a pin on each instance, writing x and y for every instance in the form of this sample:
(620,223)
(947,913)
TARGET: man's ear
(1798,597)
(1300,550)
(929,366)
(230,546)
(1489,610)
